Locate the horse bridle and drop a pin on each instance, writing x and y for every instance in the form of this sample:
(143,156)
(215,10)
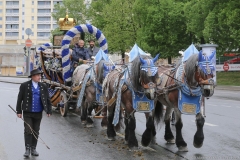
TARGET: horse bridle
(149,85)
(201,81)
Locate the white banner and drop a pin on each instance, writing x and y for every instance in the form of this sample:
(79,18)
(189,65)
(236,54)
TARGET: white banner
(228,67)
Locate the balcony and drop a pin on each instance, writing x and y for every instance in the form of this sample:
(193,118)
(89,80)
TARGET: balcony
(44,6)
(43,22)
(11,22)
(11,6)
(44,30)
(9,37)
(12,30)
(44,14)
(12,14)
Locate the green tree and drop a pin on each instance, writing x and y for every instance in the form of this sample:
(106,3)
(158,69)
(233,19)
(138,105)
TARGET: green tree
(162,27)
(76,10)
(115,18)
(214,21)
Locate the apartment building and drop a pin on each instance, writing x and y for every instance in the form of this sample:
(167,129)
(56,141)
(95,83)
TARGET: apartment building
(18,15)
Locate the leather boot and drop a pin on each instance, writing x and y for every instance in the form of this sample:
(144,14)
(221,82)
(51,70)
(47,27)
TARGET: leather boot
(34,152)
(27,153)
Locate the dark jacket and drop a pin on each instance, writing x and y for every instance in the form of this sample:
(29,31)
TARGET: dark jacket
(80,53)
(93,51)
(24,101)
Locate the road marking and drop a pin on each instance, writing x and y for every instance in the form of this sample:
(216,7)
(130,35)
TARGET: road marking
(208,124)
(212,104)
(226,106)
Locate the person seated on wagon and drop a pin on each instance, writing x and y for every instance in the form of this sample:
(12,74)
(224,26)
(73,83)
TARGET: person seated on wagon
(80,53)
(92,50)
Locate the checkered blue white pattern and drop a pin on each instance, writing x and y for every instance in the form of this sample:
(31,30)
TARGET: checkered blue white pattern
(83,28)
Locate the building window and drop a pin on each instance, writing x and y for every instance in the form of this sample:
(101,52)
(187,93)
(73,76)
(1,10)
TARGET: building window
(0,10)
(10,3)
(22,36)
(32,18)
(32,34)
(44,26)
(12,10)
(43,34)
(10,18)
(23,21)
(0,26)
(0,3)
(55,26)
(23,5)
(12,26)
(0,18)
(32,2)
(44,10)
(44,3)
(22,28)
(32,10)
(54,3)
(32,25)
(0,33)
(22,13)
(10,34)
(44,18)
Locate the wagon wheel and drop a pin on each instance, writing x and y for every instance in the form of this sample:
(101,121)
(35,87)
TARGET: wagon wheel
(64,109)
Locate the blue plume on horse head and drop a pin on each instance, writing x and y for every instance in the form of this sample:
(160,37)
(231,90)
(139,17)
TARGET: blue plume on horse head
(105,67)
(156,58)
(200,56)
(212,55)
(143,62)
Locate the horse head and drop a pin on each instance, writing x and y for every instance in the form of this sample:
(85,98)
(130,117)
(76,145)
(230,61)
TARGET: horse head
(107,69)
(148,76)
(204,73)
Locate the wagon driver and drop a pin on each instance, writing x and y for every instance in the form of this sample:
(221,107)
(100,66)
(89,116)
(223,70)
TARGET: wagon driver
(33,98)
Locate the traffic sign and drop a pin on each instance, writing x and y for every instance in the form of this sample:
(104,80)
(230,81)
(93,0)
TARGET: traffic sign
(225,67)
(28,43)
(28,31)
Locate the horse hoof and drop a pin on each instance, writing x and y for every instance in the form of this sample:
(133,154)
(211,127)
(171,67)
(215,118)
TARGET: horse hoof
(111,138)
(133,149)
(171,141)
(197,145)
(182,149)
(84,122)
(89,125)
(153,141)
(104,127)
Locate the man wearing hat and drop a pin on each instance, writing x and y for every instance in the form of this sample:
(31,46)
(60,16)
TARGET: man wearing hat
(92,50)
(33,98)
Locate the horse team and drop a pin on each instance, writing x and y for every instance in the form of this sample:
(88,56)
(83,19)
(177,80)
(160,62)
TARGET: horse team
(145,77)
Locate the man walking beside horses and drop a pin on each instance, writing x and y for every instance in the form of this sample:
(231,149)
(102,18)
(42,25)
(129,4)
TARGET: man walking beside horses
(33,98)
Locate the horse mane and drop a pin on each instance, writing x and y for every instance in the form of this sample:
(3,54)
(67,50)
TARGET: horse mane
(100,71)
(135,72)
(190,68)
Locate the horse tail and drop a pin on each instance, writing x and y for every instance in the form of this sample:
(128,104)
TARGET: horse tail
(158,113)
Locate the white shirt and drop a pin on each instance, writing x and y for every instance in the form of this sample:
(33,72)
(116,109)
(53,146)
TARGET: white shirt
(35,84)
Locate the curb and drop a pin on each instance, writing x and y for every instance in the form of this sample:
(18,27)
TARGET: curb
(15,76)
(10,82)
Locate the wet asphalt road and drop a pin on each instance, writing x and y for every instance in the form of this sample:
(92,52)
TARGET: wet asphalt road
(68,139)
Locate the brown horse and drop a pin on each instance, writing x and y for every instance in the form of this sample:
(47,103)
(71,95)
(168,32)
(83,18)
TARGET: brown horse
(119,88)
(189,81)
(91,80)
